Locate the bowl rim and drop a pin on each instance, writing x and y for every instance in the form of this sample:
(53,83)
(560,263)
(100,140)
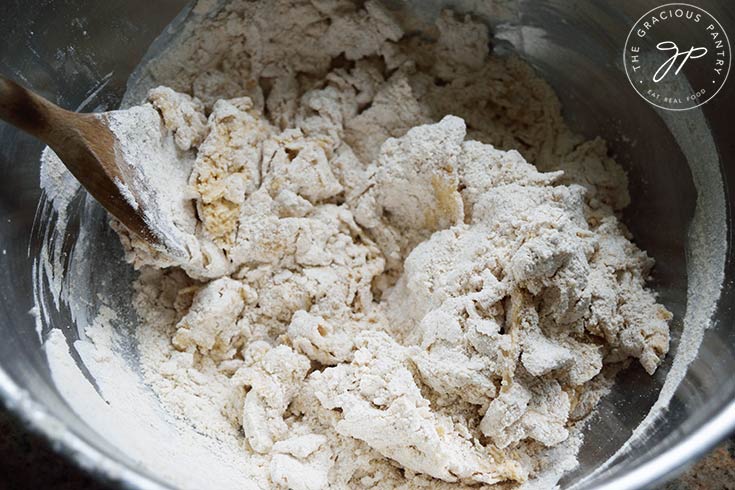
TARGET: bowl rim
(36,419)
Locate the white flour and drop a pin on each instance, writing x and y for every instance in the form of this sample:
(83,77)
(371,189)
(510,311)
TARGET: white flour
(377,295)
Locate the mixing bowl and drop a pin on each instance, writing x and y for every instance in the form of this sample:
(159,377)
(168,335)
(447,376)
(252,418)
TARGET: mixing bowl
(681,166)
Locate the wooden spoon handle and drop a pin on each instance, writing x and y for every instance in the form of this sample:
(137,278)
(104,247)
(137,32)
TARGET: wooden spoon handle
(32,113)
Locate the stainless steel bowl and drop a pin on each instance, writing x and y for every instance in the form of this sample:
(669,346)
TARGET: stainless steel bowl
(681,166)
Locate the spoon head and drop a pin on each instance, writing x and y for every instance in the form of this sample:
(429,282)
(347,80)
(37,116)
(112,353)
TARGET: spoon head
(100,159)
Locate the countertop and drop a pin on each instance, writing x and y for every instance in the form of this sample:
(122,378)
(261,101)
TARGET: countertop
(26,462)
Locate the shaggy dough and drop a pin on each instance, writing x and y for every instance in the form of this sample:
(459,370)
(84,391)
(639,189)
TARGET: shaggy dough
(380,294)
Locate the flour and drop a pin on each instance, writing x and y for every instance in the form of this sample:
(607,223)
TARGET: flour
(379,290)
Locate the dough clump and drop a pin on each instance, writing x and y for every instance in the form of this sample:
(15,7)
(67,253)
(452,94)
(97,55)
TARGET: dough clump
(381,291)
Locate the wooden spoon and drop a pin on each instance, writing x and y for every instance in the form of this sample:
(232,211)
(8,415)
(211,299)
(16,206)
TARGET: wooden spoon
(90,150)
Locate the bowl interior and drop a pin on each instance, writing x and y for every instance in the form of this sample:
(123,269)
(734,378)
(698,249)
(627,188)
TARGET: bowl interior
(680,214)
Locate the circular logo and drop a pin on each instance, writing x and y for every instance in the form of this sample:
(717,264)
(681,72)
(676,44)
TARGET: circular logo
(677,56)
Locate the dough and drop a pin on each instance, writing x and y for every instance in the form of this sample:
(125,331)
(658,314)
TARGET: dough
(381,291)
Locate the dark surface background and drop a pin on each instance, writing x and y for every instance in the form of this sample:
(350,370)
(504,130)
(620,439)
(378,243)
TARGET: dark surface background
(26,462)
